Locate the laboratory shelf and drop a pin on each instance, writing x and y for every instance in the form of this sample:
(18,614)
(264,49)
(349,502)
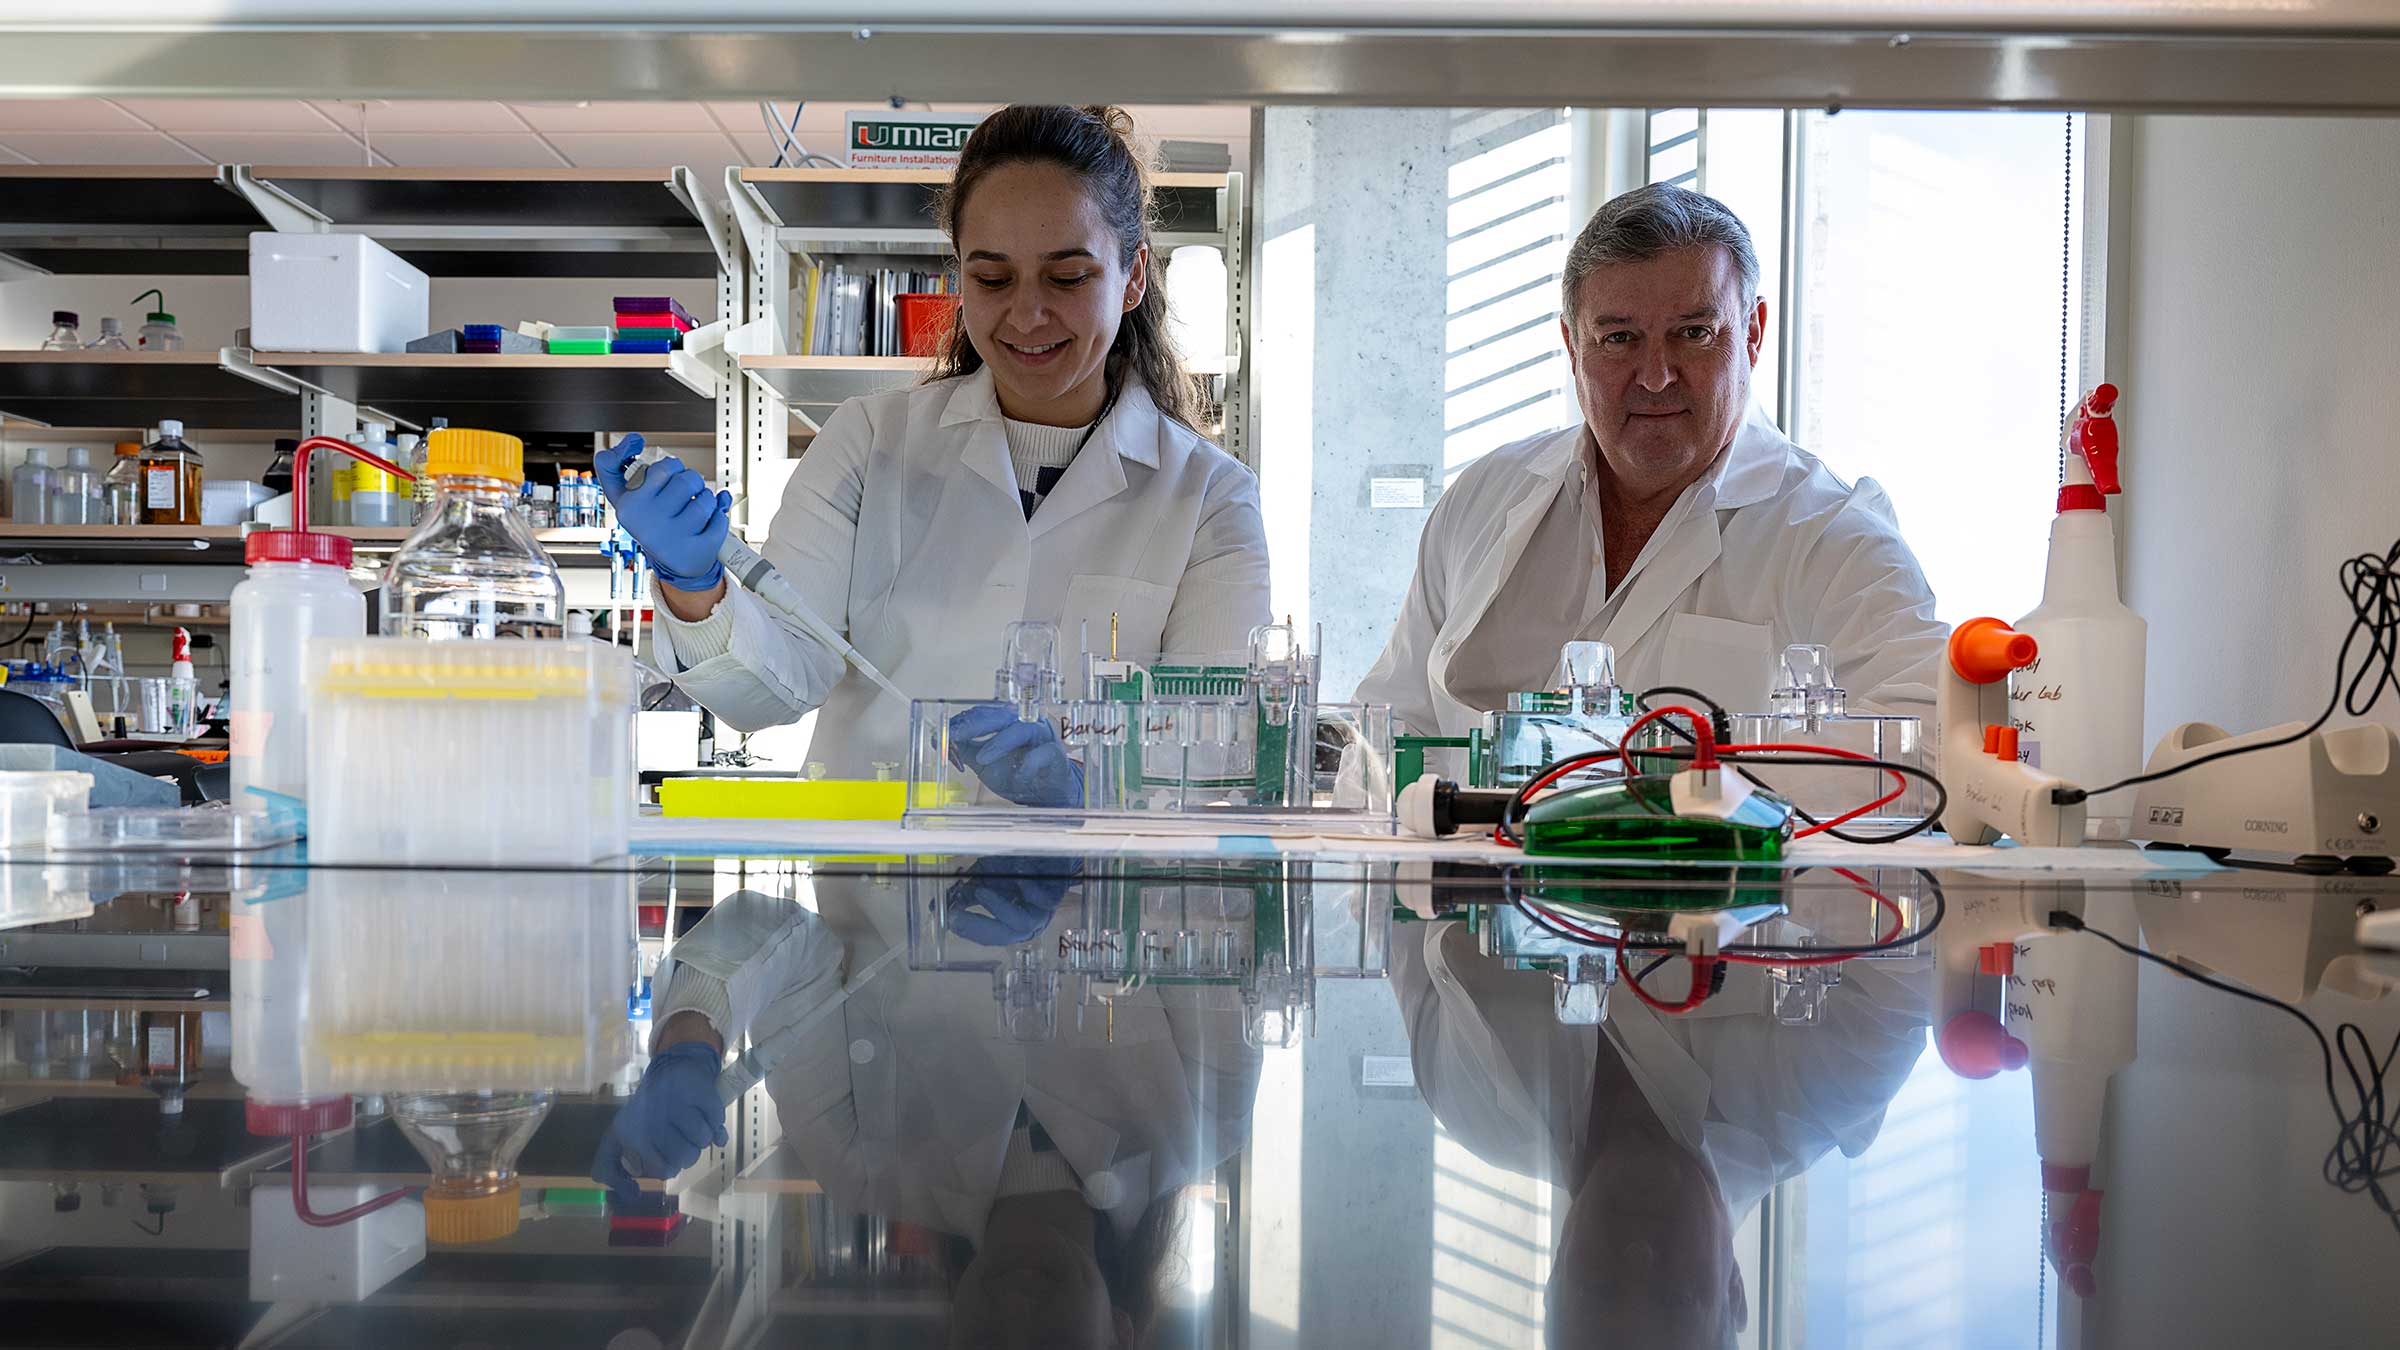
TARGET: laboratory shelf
(891,210)
(672,391)
(218,544)
(196,220)
(133,220)
(818,384)
(206,390)
(93,1139)
(215,1085)
(599,223)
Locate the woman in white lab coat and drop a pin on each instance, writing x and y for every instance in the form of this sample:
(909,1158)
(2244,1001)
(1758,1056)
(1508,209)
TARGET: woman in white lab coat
(1056,1166)
(1049,470)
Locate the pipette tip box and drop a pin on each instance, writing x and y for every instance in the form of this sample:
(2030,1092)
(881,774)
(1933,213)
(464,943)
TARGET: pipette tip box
(654,305)
(505,751)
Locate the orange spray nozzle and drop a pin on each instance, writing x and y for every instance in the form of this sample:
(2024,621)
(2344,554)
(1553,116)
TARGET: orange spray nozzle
(1986,650)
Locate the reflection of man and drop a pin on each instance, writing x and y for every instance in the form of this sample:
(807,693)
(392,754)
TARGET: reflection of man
(1057,1165)
(1675,522)
(1663,1130)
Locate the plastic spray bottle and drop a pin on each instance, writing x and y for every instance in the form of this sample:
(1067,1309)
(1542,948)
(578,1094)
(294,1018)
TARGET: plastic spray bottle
(2078,709)
(183,689)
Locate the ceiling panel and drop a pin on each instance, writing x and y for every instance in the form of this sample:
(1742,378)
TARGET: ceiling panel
(277,147)
(628,150)
(391,115)
(179,115)
(616,116)
(519,151)
(98,147)
(64,114)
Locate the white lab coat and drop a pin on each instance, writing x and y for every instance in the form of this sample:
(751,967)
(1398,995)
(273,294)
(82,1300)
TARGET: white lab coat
(1756,1100)
(1771,550)
(902,528)
(902,1104)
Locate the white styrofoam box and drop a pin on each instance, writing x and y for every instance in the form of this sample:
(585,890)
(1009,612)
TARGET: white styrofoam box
(333,293)
(294,1263)
(227,501)
(667,741)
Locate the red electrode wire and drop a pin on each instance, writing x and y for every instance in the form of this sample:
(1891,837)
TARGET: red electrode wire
(338,1217)
(1707,748)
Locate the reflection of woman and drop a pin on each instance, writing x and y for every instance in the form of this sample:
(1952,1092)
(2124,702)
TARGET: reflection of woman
(1054,1166)
(1663,1130)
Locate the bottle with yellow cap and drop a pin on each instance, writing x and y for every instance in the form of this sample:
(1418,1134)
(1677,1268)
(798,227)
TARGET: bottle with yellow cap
(471,568)
(471,1141)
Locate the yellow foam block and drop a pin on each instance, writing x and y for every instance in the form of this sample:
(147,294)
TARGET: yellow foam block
(788,798)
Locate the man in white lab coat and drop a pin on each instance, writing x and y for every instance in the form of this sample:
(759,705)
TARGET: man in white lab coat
(1675,523)
(1663,1131)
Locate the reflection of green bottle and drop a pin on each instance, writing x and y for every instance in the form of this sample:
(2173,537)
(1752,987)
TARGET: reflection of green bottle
(1637,818)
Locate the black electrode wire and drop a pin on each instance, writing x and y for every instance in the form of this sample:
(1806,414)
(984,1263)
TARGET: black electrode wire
(1724,728)
(2358,1162)
(1933,921)
(2373,585)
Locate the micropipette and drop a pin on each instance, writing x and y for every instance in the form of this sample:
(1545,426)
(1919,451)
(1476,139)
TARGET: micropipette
(759,577)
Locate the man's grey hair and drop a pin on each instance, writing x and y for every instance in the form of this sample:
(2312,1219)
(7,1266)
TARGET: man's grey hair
(1648,221)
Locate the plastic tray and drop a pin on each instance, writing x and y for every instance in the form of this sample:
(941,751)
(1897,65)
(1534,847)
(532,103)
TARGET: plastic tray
(577,348)
(785,798)
(639,348)
(581,332)
(652,304)
(676,323)
(151,829)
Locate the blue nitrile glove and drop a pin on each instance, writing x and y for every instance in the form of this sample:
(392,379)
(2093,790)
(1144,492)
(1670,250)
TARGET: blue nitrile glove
(1016,897)
(669,1119)
(677,521)
(1022,761)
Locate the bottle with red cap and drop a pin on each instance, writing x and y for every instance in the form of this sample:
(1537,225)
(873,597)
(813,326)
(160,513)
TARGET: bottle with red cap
(298,588)
(2078,710)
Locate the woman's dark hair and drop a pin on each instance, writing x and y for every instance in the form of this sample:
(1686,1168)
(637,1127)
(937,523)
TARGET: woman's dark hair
(1097,146)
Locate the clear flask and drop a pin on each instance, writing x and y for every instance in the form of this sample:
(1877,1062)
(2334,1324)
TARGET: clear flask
(170,482)
(29,488)
(63,335)
(75,492)
(112,337)
(472,569)
(471,1141)
(122,486)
